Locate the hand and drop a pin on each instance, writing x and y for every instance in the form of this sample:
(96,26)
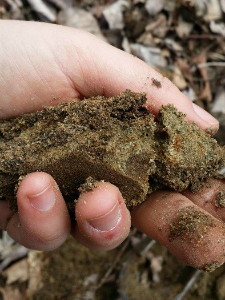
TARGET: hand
(44,65)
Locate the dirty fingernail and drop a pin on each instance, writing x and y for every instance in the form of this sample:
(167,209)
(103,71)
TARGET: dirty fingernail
(44,200)
(204,115)
(108,221)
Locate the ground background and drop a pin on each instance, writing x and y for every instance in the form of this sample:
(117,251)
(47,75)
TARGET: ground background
(185,41)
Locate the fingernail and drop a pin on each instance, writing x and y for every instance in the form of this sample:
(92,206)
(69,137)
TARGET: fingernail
(204,115)
(108,221)
(44,200)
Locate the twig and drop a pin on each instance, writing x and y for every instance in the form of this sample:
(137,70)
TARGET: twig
(188,285)
(115,262)
(212,64)
(148,247)
(202,36)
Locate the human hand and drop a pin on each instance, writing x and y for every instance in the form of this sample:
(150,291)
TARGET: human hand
(44,65)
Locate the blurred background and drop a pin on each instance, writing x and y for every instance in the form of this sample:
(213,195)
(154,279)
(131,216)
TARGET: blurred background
(185,41)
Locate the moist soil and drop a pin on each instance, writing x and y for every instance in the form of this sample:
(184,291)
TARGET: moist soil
(112,139)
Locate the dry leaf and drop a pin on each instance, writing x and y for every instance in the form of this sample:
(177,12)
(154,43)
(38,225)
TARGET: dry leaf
(114,14)
(185,69)
(156,265)
(205,94)
(35,263)
(218,28)
(222,3)
(183,28)
(151,55)
(11,293)
(153,7)
(43,10)
(173,45)
(158,27)
(219,102)
(190,93)
(81,19)
(16,272)
(178,78)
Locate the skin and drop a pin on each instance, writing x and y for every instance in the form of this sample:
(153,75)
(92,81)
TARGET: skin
(44,65)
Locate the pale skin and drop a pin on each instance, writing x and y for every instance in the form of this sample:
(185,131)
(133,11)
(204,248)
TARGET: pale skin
(44,65)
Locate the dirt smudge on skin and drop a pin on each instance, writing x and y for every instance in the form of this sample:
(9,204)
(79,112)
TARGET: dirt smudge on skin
(191,225)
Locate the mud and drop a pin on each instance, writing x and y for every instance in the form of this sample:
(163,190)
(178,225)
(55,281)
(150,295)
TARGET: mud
(112,139)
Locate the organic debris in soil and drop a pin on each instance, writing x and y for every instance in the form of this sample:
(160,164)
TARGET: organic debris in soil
(112,139)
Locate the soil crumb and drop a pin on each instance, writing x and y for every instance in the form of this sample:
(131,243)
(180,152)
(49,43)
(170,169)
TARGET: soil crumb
(112,139)
(211,267)
(220,199)
(191,225)
(88,186)
(156,83)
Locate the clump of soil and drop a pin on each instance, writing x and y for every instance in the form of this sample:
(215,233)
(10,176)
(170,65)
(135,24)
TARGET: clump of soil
(112,139)
(220,199)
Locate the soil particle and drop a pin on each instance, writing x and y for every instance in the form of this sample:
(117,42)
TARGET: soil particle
(191,225)
(220,200)
(156,83)
(112,139)
(211,266)
(88,186)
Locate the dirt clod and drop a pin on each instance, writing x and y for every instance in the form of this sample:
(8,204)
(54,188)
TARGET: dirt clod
(112,139)
(220,199)
(156,83)
(88,186)
(211,267)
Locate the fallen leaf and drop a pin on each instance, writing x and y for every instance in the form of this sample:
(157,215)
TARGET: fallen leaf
(205,93)
(114,14)
(11,293)
(183,28)
(35,263)
(43,10)
(81,19)
(17,272)
(178,78)
(190,93)
(153,7)
(219,102)
(218,28)
(151,55)
(173,45)
(158,27)
(185,69)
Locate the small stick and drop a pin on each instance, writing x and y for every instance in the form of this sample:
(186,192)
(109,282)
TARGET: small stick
(187,287)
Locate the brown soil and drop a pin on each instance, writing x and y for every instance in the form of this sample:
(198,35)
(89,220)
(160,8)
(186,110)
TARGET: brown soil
(112,139)
(220,199)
